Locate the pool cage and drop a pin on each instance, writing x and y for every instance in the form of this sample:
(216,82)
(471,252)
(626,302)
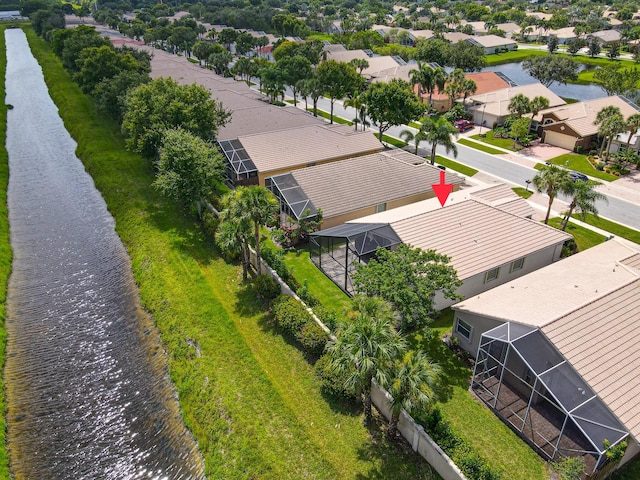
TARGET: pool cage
(337,250)
(529,384)
(294,203)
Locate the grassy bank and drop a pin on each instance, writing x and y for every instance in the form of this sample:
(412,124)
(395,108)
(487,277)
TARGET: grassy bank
(248,395)
(5,255)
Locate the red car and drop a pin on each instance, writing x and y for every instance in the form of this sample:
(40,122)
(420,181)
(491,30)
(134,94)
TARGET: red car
(463,125)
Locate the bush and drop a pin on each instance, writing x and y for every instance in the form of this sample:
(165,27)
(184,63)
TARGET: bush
(290,316)
(267,287)
(312,338)
(333,383)
(210,222)
(328,317)
(305,296)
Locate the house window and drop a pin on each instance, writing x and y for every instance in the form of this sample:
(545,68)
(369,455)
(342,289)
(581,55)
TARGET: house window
(463,328)
(381,207)
(491,275)
(517,265)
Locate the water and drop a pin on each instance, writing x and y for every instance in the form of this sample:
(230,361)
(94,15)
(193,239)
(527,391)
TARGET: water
(580,92)
(87,385)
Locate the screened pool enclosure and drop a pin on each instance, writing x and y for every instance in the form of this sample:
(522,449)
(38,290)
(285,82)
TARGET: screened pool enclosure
(337,250)
(521,375)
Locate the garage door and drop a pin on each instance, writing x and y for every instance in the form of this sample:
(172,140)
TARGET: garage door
(560,140)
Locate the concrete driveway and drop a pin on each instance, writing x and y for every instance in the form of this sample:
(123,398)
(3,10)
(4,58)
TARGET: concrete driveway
(543,151)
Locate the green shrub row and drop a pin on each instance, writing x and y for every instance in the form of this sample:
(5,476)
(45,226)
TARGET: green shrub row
(292,318)
(472,465)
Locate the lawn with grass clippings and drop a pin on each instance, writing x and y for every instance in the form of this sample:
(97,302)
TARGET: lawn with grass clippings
(6,256)
(480,146)
(248,395)
(579,163)
(458,167)
(585,238)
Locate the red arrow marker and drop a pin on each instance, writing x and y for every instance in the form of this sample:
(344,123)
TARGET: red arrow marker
(442,189)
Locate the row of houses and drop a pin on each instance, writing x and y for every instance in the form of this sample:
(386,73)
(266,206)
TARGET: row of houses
(374,198)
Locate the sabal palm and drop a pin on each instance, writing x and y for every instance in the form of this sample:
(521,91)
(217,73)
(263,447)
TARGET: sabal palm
(438,131)
(259,206)
(552,181)
(428,79)
(633,125)
(519,105)
(536,105)
(611,127)
(365,347)
(584,198)
(602,117)
(234,231)
(413,386)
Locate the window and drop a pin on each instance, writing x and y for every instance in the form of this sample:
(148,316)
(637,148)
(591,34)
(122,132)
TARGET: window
(381,207)
(463,329)
(491,275)
(517,265)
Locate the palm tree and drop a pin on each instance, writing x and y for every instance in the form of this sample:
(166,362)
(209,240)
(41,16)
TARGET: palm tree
(356,102)
(359,64)
(438,131)
(519,105)
(602,117)
(365,347)
(469,87)
(552,181)
(428,79)
(536,105)
(633,125)
(258,205)
(611,127)
(413,386)
(408,136)
(234,231)
(584,197)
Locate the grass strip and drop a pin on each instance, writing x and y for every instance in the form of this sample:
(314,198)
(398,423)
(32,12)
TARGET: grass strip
(612,227)
(458,167)
(523,192)
(579,163)
(490,139)
(480,146)
(5,255)
(327,115)
(585,237)
(248,395)
(391,141)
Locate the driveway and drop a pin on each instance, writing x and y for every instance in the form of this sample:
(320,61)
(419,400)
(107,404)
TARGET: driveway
(543,151)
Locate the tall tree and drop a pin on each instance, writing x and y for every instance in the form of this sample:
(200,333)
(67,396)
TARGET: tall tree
(260,206)
(391,104)
(414,381)
(294,69)
(428,79)
(583,199)
(408,278)
(519,105)
(365,347)
(338,79)
(615,80)
(551,68)
(438,131)
(234,231)
(633,125)
(408,136)
(537,104)
(551,180)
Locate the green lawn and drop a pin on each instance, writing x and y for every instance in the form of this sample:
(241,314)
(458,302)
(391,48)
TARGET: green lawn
(523,192)
(480,146)
(489,138)
(327,115)
(579,163)
(584,237)
(458,167)
(514,56)
(249,397)
(5,257)
(631,471)
(614,228)
(392,141)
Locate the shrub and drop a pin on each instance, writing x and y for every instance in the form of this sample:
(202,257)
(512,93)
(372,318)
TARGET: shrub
(210,222)
(290,316)
(333,383)
(326,316)
(267,287)
(305,296)
(312,338)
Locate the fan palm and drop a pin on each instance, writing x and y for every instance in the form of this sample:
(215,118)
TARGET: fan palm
(413,386)
(601,119)
(234,231)
(552,181)
(365,347)
(584,197)
(633,125)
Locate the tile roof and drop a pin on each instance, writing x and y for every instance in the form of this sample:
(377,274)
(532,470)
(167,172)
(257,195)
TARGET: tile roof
(489,41)
(607,35)
(455,37)
(304,145)
(497,102)
(360,182)
(476,236)
(599,340)
(580,116)
(564,285)
(346,55)
(263,118)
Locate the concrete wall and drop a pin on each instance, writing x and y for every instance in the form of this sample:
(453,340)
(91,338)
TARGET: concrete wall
(420,441)
(474,285)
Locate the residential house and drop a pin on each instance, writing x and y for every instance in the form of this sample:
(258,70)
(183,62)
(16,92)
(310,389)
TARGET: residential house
(493,43)
(564,35)
(485,82)
(619,143)
(486,231)
(571,126)
(491,108)
(254,157)
(554,357)
(356,187)
(606,37)
(455,37)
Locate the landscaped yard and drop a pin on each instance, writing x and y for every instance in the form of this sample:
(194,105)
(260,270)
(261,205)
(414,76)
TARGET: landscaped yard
(490,138)
(614,228)
(480,146)
(579,163)
(584,237)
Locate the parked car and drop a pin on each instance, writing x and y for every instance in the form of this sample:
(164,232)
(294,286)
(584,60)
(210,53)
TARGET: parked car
(578,176)
(463,125)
